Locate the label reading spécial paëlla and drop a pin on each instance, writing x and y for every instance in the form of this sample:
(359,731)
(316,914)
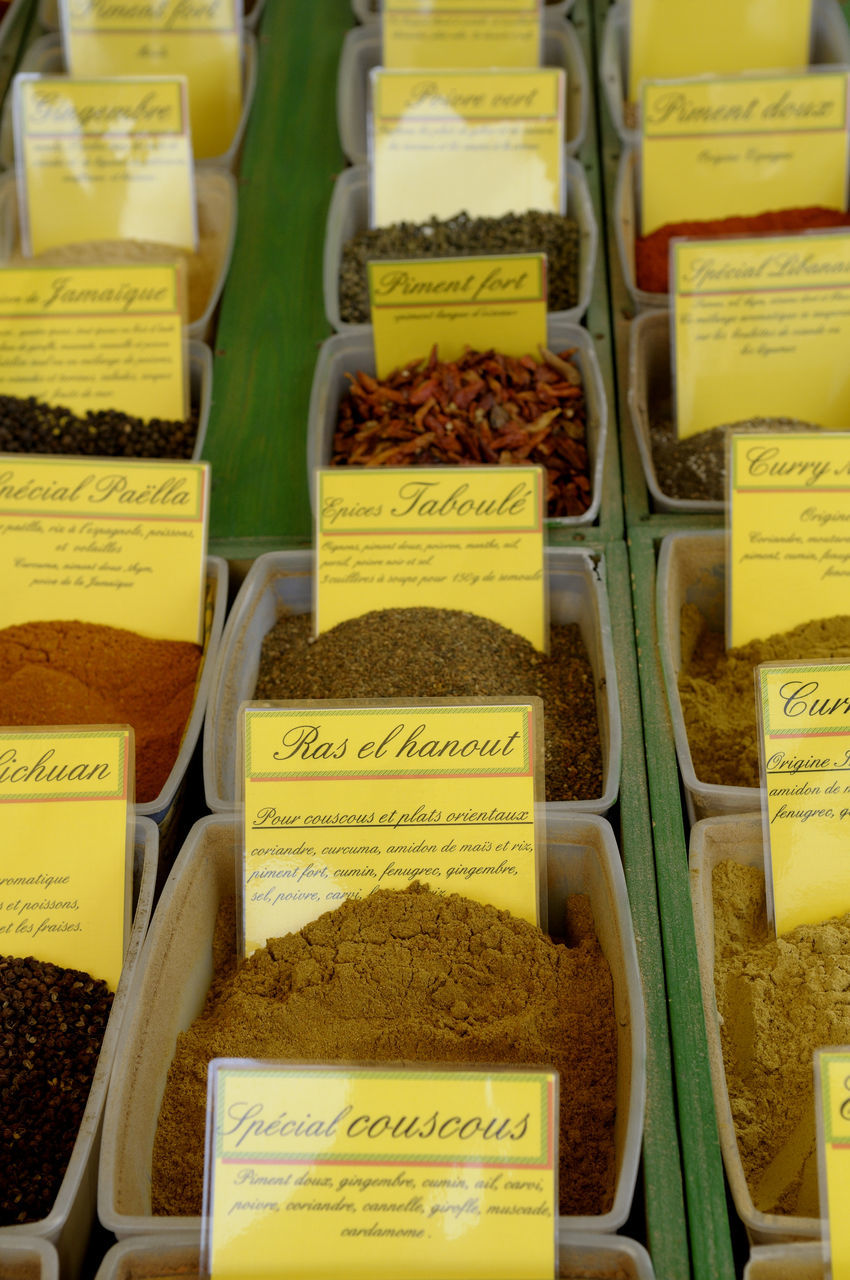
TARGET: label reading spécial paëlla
(443,141)
(714,148)
(65,886)
(832,1116)
(483,302)
(103,160)
(460,33)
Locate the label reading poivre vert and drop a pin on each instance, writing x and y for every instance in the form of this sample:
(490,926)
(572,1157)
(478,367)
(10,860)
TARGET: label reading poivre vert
(714,148)
(760,329)
(686,38)
(483,302)
(104,540)
(407,1173)
(96,338)
(832,1116)
(805,758)
(449,537)
(446,141)
(344,799)
(198,39)
(103,160)
(789,534)
(66,873)
(460,33)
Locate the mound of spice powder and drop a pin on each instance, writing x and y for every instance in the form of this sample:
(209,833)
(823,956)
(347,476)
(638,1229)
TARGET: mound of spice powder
(717,692)
(31,426)
(411,976)
(481,408)
(531,232)
(439,653)
(86,673)
(52,1022)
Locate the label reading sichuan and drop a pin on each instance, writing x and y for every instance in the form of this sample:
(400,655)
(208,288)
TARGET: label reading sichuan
(343,799)
(65,882)
(119,543)
(460,33)
(832,1113)
(103,160)
(412,1173)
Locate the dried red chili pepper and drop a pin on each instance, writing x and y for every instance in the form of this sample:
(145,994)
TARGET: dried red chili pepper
(481,408)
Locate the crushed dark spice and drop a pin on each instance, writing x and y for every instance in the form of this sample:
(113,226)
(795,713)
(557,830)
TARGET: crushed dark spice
(28,425)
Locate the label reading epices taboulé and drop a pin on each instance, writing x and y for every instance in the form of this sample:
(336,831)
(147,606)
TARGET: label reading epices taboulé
(412,1173)
(103,160)
(460,34)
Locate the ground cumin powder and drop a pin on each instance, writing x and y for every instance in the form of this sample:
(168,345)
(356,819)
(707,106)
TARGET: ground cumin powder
(779,999)
(85,673)
(410,976)
(717,690)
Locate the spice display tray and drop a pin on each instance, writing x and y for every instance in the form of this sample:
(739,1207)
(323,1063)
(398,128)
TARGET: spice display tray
(71,1216)
(786,1262)
(830,46)
(176,971)
(348,216)
(626,216)
(367,10)
(27,1258)
(361,51)
(45,57)
(282,581)
(739,839)
(354,351)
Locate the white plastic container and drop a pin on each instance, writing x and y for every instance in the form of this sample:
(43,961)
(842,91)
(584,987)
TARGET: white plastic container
(28,1258)
(786,1262)
(348,216)
(215,191)
(830,46)
(739,839)
(200,390)
(626,221)
(367,10)
(163,1256)
(650,380)
(45,57)
(176,972)
(354,351)
(69,1221)
(361,51)
(282,582)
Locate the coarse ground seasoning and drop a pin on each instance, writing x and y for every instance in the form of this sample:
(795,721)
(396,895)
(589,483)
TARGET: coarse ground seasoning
(52,1022)
(532,232)
(411,976)
(440,653)
(31,426)
(779,999)
(717,691)
(84,673)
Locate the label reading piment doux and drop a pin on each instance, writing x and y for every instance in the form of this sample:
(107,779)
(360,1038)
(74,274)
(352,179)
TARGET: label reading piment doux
(482,302)
(789,534)
(198,39)
(104,540)
(96,338)
(344,799)
(832,1115)
(103,160)
(460,33)
(761,328)
(448,537)
(442,142)
(714,148)
(65,887)
(412,1172)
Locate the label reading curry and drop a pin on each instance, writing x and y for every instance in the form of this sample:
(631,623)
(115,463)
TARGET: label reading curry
(460,33)
(446,141)
(103,540)
(789,535)
(689,38)
(198,39)
(714,148)
(67,851)
(342,799)
(447,537)
(482,302)
(103,160)
(832,1115)
(412,1172)
(805,759)
(760,329)
(96,338)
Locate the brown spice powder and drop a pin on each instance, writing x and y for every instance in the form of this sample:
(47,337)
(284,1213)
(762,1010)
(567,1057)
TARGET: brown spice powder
(411,976)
